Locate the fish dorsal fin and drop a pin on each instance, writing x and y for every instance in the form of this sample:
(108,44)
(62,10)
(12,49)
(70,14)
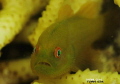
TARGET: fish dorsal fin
(90,9)
(65,12)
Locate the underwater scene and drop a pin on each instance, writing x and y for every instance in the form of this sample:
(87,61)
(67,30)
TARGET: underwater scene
(60,42)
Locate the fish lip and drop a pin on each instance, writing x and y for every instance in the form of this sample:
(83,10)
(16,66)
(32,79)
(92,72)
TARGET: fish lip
(44,63)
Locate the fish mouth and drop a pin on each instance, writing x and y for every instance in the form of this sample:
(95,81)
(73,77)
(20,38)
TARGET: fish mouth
(44,63)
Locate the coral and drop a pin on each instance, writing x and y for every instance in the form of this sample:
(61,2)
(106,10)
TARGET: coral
(117,2)
(83,77)
(15,71)
(13,16)
(56,10)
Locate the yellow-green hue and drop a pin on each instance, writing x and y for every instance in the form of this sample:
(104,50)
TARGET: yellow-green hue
(53,10)
(14,15)
(82,77)
(75,37)
(117,2)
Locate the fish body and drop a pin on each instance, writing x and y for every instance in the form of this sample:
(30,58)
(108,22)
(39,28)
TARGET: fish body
(66,46)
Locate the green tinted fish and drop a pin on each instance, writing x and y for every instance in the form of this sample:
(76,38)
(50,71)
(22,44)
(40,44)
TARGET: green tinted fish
(66,46)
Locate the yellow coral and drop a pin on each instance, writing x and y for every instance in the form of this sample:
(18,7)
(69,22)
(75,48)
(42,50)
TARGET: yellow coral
(56,10)
(12,21)
(13,15)
(15,71)
(83,77)
(46,20)
(117,2)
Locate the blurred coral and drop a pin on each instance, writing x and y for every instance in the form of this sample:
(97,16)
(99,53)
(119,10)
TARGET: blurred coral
(83,77)
(13,16)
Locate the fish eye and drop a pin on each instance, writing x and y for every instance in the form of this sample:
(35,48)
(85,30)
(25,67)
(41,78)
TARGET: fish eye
(36,49)
(57,52)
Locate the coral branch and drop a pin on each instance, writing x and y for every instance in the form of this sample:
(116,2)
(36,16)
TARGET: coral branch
(14,14)
(84,77)
(15,71)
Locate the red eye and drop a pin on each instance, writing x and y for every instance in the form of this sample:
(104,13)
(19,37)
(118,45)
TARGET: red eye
(57,52)
(36,49)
